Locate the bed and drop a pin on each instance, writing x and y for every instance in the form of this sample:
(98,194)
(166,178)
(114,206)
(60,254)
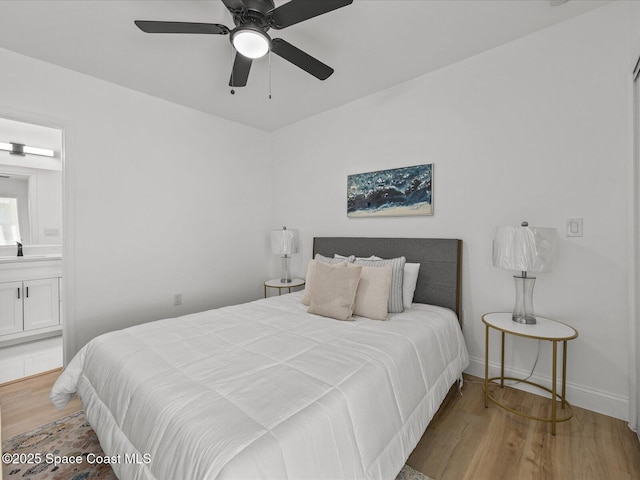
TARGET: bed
(267,390)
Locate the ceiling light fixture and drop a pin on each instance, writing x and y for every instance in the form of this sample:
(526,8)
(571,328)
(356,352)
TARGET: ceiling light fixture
(21,149)
(250,41)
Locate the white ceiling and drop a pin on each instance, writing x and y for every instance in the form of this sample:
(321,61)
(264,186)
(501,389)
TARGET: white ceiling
(371,44)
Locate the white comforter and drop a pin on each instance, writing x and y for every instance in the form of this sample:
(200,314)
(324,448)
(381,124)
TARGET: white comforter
(266,390)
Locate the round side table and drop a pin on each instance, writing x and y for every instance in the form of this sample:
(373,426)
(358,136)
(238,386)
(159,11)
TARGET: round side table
(544,329)
(280,285)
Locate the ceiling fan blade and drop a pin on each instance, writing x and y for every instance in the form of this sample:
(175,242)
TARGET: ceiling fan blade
(297,11)
(301,59)
(240,72)
(151,26)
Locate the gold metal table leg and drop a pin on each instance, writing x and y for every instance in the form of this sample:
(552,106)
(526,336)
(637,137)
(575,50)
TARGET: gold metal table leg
(486,366)
(553,388)
(564,373)
(502,364)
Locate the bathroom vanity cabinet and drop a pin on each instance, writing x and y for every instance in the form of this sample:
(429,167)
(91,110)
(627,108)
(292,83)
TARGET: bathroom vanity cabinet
(29,299)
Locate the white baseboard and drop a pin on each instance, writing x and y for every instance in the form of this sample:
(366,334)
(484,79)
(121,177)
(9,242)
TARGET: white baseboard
(598,401)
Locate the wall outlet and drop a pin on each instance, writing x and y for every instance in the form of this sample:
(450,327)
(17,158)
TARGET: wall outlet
(177,299)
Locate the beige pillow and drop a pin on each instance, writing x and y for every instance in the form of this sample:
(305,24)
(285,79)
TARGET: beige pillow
(372,295)
(309,282)
(334,291)
(396,303)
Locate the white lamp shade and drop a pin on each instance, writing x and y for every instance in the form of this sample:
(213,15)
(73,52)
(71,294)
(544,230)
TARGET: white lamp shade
(531,249)
(284,242)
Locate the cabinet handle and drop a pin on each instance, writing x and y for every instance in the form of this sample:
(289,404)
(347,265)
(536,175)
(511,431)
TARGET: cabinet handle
(18,293)
(27,292)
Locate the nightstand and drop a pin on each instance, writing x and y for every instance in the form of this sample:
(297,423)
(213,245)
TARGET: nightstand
(544,329)
(276,283)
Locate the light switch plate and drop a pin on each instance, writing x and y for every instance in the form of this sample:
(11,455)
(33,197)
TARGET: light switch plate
(574,227)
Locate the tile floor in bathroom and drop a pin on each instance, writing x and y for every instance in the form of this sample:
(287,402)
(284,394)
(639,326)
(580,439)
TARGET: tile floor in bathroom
(25,359)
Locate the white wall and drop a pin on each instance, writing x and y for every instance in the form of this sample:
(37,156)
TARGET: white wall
(46,208)
(159,199)
(535,130)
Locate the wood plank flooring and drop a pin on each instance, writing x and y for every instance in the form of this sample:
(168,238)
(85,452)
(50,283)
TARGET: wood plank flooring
(465,440)
(25,404)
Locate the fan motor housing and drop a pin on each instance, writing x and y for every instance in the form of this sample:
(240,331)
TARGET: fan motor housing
(255,13)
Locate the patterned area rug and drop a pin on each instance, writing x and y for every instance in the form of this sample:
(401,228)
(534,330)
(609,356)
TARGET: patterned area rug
(39,454)
(67,438)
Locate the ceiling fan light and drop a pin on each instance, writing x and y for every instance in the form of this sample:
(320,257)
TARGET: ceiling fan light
(251,43)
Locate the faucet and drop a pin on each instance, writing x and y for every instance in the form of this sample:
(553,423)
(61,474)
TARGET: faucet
(19,249)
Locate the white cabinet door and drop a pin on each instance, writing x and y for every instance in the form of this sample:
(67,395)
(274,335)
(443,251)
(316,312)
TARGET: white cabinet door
(41,303)
(10,307)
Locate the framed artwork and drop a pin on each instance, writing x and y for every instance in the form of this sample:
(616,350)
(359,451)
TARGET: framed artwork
(396,192)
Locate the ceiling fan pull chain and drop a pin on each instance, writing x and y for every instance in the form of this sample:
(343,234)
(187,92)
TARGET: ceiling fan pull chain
(269,74)
(232,56)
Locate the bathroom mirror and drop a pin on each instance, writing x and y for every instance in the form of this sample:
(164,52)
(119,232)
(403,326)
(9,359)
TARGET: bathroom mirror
(30,186)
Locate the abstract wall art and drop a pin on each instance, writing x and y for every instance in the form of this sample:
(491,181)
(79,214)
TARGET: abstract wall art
(395,192)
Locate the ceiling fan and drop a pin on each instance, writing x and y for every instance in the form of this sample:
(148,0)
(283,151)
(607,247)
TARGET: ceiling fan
(253,18)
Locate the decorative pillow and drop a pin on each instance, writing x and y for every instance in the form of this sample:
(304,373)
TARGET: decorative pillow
(334,291)
(336,259)
(310,280)
(409,281)
(395,304)
(372,295)
(351,258)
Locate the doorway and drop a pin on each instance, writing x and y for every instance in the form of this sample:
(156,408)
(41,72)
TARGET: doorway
(31,193)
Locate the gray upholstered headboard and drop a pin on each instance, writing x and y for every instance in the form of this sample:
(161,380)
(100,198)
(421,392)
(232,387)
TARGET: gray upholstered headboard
(440,261)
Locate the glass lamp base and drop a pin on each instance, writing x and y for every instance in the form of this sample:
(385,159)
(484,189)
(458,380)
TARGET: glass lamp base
(523,310)
(286,271)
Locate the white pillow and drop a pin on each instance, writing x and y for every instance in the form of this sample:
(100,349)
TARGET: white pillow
(351,258)
(409,281)
(335,259)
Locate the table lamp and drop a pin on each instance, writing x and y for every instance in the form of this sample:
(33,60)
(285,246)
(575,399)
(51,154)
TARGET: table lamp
(284,242)
(528,249)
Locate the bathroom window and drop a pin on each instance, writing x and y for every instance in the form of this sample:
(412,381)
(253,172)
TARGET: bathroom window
(14,209)
(9,225)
